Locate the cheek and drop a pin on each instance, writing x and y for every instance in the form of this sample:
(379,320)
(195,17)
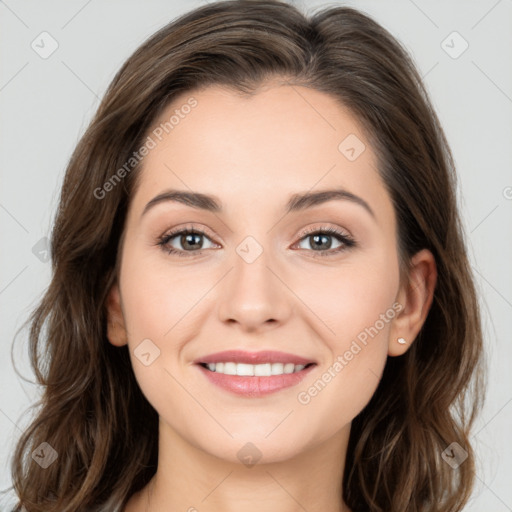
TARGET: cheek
(351,297)
(161,306)
(356,306)
(158,300)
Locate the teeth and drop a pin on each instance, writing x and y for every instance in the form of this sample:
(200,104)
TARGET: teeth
(257,370)
(289,368)
(244,369)
(229,368)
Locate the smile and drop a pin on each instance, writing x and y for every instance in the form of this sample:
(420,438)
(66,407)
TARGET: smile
(254,374)
(254,370)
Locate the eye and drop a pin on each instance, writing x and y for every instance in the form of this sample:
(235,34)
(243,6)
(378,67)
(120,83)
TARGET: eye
(319,241)
(190,240)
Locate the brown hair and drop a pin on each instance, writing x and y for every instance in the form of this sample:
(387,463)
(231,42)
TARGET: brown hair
(92,411)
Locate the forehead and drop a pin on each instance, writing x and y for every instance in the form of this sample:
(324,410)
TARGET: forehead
(253,149)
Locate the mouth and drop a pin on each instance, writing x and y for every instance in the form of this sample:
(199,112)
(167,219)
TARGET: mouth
(254,370)
(254,374)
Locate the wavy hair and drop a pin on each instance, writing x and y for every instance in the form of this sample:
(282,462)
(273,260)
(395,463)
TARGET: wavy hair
(92,411)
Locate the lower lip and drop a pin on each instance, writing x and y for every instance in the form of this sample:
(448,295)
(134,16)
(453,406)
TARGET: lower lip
(255,386)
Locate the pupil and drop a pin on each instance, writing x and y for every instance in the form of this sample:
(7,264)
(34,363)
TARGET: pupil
(192,236)
(318,238)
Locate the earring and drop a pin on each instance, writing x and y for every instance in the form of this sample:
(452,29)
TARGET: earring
(401,341)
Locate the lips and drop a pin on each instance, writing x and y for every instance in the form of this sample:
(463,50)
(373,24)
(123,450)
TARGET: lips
(266,356)
(257,383)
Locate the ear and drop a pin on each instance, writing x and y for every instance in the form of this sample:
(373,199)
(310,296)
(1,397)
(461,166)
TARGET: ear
(116,328)
(415,296)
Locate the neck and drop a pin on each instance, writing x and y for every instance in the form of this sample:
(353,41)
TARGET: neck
(189,479)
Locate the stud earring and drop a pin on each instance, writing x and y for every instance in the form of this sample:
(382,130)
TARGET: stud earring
(401,341)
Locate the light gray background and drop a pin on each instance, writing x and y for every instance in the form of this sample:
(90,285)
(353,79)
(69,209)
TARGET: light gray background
(47,103)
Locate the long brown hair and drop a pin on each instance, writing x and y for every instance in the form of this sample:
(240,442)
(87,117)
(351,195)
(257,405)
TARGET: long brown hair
(92,412)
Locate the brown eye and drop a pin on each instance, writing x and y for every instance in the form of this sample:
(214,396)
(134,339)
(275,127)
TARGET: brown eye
(321,242)
(183,241)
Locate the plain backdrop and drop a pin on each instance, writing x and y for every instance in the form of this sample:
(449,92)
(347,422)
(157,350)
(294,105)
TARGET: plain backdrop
(46,104)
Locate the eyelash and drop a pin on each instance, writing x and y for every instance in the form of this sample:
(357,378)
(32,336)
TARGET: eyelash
(347,241)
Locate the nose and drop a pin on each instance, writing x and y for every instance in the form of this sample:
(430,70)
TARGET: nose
(253,296)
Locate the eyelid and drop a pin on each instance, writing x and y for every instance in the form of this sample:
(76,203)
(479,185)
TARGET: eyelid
(188,227)
(324,227)
(307,231)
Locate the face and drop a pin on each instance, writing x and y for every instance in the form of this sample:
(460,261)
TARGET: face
(317,282)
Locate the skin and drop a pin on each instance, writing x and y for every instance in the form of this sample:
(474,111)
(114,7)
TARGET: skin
(252,154)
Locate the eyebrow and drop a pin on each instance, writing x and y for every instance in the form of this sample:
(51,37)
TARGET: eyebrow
(297,202)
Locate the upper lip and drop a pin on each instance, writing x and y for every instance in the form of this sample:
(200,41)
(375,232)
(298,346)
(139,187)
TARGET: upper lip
(241,356)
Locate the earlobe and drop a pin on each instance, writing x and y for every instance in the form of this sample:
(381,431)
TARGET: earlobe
(116,329)
(416,296)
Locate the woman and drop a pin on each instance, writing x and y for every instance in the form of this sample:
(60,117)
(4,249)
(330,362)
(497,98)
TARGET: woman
(202,349)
